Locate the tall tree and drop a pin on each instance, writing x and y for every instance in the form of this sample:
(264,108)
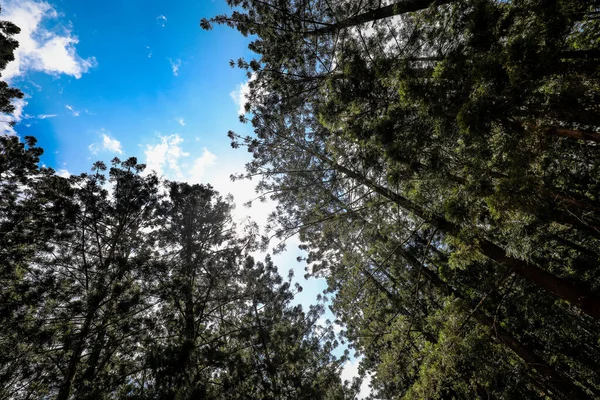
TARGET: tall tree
(476,120)
(228,330)
(35,210)
(116,291)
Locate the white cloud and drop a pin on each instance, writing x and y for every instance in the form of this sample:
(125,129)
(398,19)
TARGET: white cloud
(149,51)
(111,144)
(350,370)
(40,49)
(164,158)
(175,66)
(168,159)
(39,116)
(17,116)
(63,172)
(44,116)
(70,108)
(161,20)
(108,143)
(240,96)
(36,86)
(196,164)
(197,172)
(180,121)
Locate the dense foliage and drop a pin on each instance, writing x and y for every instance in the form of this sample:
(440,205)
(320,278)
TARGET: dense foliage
(115,284)
(440,161)
(130,293)
(8,45)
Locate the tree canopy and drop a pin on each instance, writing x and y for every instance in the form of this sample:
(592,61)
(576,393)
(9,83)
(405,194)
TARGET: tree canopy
(439,160)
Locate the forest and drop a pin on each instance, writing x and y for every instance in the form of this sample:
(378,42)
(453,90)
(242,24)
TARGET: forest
(439,161)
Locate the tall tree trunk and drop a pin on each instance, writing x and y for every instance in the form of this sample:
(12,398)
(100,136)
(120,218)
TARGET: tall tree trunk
(399,8)
(560,287)
(189,330)
(92,364)
(575,134)
(558,215)
(549,375)
(67,383)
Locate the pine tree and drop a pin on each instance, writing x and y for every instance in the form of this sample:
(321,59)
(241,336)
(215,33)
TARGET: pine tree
(474,120)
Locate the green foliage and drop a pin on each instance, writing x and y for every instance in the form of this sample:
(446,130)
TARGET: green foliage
(110,289)
(8,45)
(441,168)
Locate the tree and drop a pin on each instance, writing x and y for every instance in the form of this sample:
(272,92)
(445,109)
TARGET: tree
(99,309)
(35,210)
(8,45)
(114,291)
(225,328)
(475,120)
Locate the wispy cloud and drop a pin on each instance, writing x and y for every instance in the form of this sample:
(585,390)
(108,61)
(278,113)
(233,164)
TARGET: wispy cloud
(175,66)
(39,116)
(165,157)
(198,171)
(149,51)
(180,121)
(70,108)
(17,116)
(40,49)
(111,144)
(240,96)
(161,20)
(6,121)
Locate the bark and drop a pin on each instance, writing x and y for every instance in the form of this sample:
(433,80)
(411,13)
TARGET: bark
(189,332)
(562,288)
(589,136)
(580,202)
(398,8)
(92,364)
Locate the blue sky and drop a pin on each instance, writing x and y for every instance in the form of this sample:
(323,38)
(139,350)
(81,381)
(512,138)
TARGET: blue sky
(137,78)
(142,68)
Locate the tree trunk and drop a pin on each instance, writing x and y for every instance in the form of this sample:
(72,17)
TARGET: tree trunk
(533,361)
(575,134)
(560,287)
(399,8)
(67,383)
(557,214)
(92,364)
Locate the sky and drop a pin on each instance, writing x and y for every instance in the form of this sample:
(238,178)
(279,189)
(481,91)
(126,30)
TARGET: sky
(138,78)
